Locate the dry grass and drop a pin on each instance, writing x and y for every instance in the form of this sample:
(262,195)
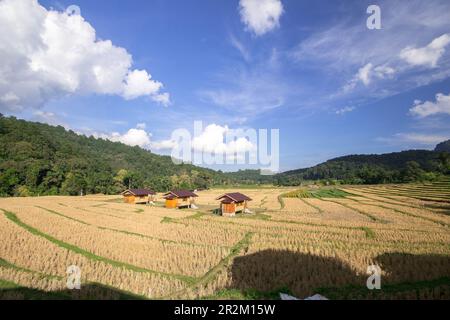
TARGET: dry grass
(304,245)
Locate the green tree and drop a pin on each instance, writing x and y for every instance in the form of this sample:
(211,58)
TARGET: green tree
(22,191)
(119,180)
(9,179)
(412,172)
(74,184)
(444,158)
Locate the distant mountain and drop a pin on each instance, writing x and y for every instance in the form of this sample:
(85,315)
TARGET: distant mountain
(397,167)
(249,176)
(39,159)
(443,147)
(402,166)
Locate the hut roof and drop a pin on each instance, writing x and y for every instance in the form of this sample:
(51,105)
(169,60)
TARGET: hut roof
(234,197)
(139,192)
(179,194)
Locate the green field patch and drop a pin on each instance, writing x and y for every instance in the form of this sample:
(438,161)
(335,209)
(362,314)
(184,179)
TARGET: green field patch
(317,193)
(370,234)
(9,265)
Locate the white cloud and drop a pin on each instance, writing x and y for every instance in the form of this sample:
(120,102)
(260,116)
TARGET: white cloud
(163,144)
(349,44)
(47,54)
(428,108)
(260,16)
(138,83)
(133,137)
(339,58)
(368,73)
(428,55)
(384,71)
(213,140)
(50,118)
(415,139)
(364,74)
(345,110)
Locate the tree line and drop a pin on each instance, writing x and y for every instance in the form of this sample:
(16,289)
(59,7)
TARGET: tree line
(398,167)
(39,159)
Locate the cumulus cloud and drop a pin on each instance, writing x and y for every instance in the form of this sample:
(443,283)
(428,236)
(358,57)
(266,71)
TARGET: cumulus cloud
(46,54)
(138,83)
(428,108)
(428,55)
(260,16)
(212,139)
(133,137)
(136,137)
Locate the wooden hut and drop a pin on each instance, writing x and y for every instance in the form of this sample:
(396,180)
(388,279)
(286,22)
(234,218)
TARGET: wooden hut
(179,198)
(230,203)
(138,195)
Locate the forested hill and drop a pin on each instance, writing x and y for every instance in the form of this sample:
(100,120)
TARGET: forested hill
(38,159)
(405,166)
(443,147)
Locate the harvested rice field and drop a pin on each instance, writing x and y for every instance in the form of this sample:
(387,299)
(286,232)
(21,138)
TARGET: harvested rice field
(296,241)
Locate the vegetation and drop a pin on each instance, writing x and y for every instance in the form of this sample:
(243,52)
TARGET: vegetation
(249,177)
(37,159)
(317,193)
(399,167)
(443,147)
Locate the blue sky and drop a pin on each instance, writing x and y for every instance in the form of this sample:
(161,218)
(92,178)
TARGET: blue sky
(309,68)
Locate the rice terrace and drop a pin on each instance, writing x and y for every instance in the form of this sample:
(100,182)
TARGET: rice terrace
(300,241)
(247,156)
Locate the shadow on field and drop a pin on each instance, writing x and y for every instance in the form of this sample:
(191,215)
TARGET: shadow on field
(267,273)
(10,291)
(403,267)
(271,271)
